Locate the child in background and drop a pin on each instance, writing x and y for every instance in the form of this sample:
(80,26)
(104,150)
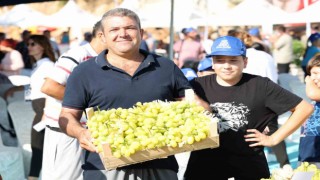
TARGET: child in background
(189,73)
(309,147)
(205,67)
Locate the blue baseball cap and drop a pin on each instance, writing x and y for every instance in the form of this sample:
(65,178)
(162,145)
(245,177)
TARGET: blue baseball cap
(205,64)
(254,32)
(189,73)
(227,46)
(313,37)
(188,30)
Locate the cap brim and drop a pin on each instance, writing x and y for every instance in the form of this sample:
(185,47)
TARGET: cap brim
(206,69)
(223,53)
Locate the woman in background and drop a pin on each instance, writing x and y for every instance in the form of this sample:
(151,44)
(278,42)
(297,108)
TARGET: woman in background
(42,55)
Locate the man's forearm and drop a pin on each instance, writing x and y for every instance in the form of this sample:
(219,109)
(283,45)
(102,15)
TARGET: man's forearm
(70,125)
(53,89)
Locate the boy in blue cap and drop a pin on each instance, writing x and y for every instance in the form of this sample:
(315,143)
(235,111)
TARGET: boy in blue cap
(245,104)
(205,67)
(189,73)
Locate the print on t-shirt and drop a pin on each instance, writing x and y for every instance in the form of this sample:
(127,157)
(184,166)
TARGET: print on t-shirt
(232,115)
(312,126)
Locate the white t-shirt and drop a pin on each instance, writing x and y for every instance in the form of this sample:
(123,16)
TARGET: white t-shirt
(262,64)
(61,72)
(43,66)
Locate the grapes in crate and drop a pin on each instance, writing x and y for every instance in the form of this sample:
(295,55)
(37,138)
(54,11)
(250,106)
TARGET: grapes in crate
(149,125)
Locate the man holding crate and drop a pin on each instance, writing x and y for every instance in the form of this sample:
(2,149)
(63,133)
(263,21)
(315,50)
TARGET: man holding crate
(120,77)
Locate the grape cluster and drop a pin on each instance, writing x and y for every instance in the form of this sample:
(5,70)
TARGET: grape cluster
(306,167)
(287,173)
(149,125)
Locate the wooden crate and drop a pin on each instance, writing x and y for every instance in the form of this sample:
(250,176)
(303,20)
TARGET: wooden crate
(110,162)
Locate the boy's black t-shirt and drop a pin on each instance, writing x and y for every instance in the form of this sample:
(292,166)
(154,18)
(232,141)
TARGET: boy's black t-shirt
(250,104)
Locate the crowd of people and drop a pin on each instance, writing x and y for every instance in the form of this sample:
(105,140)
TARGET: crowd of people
(117,66)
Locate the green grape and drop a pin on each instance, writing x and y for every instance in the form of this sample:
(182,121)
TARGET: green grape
(173,143)
(197,138)
(190,140)
(116,154)
(94,134)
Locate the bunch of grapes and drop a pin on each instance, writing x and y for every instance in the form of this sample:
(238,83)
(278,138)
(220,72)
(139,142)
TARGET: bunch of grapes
(149,125)
(306,167)
(284,173)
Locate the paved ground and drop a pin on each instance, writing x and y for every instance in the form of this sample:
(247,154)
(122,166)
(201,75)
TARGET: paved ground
(8,140)
(292,150)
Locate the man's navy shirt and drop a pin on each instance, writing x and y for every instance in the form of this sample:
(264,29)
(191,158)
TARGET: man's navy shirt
(96,83)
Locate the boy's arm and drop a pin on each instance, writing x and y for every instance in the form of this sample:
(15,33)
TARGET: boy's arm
(299,115)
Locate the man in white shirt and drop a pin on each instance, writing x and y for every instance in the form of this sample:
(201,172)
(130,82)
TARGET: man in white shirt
(58,146)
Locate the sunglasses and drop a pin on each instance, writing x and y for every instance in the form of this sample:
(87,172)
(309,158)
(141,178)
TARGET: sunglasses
(31,44)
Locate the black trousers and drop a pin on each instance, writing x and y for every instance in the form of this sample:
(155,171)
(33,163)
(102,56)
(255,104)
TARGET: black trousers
(283,68)
(280,149)
(37,139)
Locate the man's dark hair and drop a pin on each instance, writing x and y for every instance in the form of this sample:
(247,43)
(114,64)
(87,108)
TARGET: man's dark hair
(233,32)
(183,30)
(96,27)
(122,12)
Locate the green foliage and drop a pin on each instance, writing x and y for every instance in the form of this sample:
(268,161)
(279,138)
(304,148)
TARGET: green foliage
(298,51)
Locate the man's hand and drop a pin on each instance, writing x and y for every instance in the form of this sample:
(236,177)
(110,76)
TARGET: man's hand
(84,139)
(202,103)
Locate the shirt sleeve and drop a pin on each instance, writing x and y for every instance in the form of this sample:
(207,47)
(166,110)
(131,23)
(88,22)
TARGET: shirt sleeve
(62,70)
(76,91)
(279,99)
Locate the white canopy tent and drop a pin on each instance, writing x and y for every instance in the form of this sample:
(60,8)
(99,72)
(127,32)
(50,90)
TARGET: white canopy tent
(157,13)
(249,12)
(23,16)
(71,15)
(308,14)
(175,14)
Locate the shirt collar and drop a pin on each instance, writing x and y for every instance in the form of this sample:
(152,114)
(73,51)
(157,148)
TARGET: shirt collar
(103,63)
